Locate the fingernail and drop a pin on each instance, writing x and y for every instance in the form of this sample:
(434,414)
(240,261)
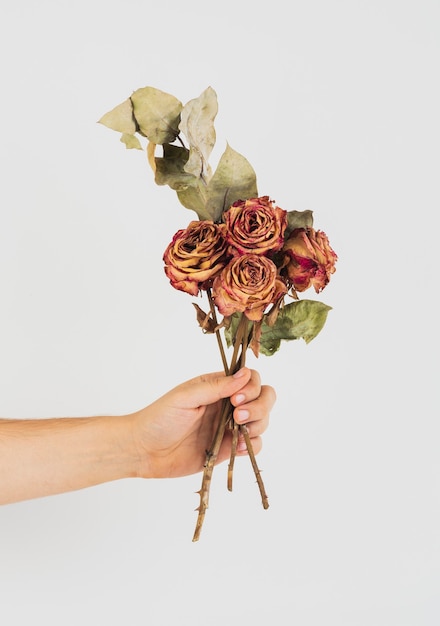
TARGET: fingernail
(242,415)
(239,398)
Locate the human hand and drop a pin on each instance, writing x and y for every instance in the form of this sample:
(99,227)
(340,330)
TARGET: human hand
(173,433)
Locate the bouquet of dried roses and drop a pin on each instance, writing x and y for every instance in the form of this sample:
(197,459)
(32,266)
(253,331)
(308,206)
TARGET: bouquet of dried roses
(244,252)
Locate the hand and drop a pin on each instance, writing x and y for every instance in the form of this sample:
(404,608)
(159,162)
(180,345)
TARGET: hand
(174,432)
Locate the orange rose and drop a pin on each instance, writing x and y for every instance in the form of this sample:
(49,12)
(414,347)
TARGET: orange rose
(195,255)
(248,284)
(255,226)
(308,259)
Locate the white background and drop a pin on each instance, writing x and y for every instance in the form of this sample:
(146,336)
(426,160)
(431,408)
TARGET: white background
(336,105)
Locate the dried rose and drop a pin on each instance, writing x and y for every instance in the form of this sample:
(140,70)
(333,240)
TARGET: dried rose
(195,255)
(248,284)
(308,259)
(255,226)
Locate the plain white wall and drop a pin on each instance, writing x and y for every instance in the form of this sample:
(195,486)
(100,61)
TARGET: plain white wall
(335,104)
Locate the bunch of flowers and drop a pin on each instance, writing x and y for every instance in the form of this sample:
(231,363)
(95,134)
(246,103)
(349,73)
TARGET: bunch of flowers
(249,256)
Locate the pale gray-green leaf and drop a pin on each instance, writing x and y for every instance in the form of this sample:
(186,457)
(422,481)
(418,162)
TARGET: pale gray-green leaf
(157,114)
(120,118)
(197,124)
(234,179)
(193,197)
(131,141)
(299,219)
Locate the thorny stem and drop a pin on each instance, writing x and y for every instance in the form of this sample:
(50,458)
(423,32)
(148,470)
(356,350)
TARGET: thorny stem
(264,499)
(241,340)
(211,457)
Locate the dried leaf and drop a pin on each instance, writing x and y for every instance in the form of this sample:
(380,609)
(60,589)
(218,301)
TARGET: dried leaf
(205,320)
(157,114)
(197,124)
(234,179)
(299,219)
(170,168)
(120,118)
(303,319)
(131,141)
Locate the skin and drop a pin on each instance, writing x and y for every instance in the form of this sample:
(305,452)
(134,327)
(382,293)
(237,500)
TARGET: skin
(166,439)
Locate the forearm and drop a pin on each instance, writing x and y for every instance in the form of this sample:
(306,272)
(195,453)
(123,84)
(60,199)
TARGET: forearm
(48,456)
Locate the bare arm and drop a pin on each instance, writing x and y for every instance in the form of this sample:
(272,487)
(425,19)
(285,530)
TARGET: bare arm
(48,456)
(166,439)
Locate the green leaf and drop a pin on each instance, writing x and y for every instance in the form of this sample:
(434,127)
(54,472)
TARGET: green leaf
(299,219)
(197,124)
(131,141)
(120,118)
(303,319)
(234,179)
(157,114)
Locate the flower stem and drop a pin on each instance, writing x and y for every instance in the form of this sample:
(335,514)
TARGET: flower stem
(238,360)
(211,457)
(217,332)
(257,472)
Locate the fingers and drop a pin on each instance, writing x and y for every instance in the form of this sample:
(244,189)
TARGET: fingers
(209,388)
(253,404)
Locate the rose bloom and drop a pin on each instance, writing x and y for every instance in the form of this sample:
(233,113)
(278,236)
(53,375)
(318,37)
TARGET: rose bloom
(309,259)
(248,284)
(195,255)
(255,226)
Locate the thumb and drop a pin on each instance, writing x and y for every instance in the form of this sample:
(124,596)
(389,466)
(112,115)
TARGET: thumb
(209,388)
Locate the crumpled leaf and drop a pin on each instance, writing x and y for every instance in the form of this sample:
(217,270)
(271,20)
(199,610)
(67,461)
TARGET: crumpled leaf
(303,319)
(205,320)
(197,124)
(157,114)
(234,179)
(170,170)
(120,118)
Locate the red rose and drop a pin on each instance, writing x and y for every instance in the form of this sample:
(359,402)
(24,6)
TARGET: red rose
(255,226)
(248,284)
(195,255)
(308,259)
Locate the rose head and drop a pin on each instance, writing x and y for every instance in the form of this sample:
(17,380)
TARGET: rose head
(195,255)
(248,284)
(255,226)
(308,259)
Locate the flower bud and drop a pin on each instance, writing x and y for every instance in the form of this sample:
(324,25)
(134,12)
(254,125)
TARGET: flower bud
(308,259)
